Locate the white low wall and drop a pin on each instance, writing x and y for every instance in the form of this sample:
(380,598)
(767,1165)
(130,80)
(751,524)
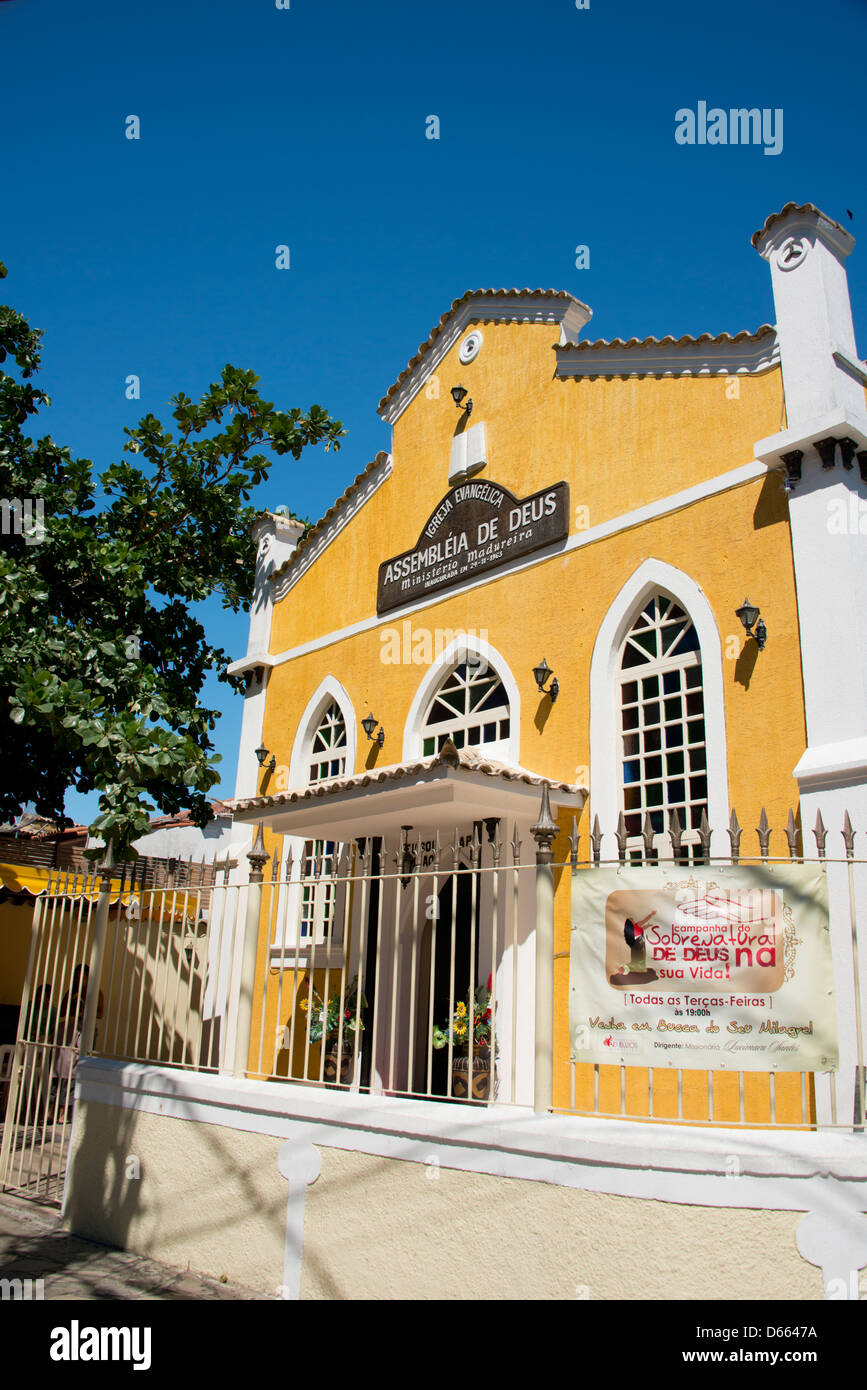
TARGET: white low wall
(415,1200)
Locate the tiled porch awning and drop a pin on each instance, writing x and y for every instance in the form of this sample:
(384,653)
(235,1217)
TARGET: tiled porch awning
(439,792)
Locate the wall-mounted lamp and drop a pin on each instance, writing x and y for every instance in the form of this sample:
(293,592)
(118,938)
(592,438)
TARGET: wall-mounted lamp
(368,725)
(749,615)
(458,394)
(261,754)
(541,674)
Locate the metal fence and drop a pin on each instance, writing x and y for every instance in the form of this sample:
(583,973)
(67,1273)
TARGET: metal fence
(388,965)
(399,965)
(399,972)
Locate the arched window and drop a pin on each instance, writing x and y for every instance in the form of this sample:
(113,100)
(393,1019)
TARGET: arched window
(662,737)
(326,757)
(471,707)
(328,746)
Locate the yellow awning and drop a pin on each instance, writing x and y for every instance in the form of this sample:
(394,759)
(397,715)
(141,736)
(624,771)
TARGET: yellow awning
(25,878)
(36,880)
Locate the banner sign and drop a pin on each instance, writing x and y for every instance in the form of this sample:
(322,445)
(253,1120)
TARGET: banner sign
(476,527)
(717,968)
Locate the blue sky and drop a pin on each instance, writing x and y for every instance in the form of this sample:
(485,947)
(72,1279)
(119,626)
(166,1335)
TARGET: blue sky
(306,127)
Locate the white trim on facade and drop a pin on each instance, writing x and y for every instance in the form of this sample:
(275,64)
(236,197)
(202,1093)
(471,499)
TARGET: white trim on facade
(738,477)
(343,514)
(806,252)
(790,1171)
(570,314)
(505,751)
(328,689)
(750,357)
(252,724)
(289,899)
(840,423)
(651,577)
(276,539)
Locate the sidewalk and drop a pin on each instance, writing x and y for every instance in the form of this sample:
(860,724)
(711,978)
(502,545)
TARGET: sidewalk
(33,1246)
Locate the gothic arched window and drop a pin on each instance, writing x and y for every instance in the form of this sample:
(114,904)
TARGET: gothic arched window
(326,758)
(663,753)
(471,707)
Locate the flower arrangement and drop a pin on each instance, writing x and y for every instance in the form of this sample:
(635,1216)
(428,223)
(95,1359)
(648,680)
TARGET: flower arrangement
(473,1014)
(324,1019)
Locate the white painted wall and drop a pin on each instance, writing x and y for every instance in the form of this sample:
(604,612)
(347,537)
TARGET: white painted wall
(181,841)
(277,539)
(807,253)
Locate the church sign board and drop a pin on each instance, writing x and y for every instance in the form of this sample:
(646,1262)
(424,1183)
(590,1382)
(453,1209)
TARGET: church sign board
(477,527)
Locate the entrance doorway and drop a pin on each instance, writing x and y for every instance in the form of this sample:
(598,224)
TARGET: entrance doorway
(456,899)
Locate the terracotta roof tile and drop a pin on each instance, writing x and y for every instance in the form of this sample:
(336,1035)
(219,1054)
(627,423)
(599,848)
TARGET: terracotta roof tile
(426,346)
(784,212)
(448,757)
(180,818)
(687,339)
(335,507)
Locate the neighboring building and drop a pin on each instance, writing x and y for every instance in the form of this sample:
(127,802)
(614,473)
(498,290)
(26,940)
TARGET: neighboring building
(175,839)
(36,854)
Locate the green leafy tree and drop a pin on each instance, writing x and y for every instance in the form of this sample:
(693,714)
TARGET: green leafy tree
(101,660)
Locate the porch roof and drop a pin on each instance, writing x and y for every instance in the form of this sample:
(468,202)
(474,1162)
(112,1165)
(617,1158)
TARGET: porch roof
(438,792)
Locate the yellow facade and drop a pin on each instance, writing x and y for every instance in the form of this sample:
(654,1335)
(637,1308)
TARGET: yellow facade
(621,444)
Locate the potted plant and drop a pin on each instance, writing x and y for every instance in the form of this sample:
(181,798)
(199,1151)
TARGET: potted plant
(324,1019)
(471,1018)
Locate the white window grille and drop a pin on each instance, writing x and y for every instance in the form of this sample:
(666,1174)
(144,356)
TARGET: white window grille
(327,759)
(471,708)
(662,725)
(328,746)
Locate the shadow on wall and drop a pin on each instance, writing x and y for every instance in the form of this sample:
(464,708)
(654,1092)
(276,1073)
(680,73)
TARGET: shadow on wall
(153,982)
(116,1196)
(772,504)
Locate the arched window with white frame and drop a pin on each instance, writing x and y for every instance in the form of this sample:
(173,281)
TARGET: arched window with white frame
(325,758)
(470,707)
(662,735)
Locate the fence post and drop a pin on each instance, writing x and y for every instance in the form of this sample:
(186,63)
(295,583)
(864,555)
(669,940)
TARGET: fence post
(258,858)
(97,952)
(544,832)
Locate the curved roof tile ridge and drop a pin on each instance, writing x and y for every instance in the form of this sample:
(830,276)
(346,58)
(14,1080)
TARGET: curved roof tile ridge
(784,212)
(435,332)
(687,339)
(344,497)
(468,759)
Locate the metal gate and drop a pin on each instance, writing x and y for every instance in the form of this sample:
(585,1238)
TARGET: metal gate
(39,1088)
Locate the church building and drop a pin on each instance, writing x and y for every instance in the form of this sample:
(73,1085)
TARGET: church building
(630,572)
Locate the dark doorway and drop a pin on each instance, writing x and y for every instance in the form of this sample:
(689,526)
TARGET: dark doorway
(444,1001)
(369,976)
